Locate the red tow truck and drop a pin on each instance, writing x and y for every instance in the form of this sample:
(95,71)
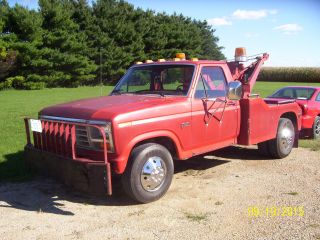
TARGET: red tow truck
(159,111)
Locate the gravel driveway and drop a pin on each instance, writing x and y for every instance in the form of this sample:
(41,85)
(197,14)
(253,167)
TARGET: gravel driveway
(228,194)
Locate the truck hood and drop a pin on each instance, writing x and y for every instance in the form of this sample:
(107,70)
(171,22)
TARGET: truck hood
(110,107)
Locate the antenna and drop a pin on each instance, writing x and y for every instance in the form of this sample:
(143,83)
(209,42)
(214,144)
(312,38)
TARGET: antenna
(101,72)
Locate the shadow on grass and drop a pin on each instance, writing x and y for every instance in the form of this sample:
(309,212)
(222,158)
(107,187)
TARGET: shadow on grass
(14,169)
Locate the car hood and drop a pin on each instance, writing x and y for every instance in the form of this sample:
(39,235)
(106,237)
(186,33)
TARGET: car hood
(111,107)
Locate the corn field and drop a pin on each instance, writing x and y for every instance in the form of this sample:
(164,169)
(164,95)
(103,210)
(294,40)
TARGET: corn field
(290,74)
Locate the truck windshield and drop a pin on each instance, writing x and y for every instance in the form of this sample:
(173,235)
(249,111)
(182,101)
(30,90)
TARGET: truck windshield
(160,79)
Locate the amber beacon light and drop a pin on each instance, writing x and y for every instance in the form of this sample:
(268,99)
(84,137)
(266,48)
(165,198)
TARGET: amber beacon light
(240,54)
(182,56)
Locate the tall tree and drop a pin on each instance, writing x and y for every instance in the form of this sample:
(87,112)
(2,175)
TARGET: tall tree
(7,56)
(70,42)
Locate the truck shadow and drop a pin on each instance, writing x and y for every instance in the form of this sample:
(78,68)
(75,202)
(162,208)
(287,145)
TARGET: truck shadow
(23,189)
(197,163)
(239,153)
(43,194)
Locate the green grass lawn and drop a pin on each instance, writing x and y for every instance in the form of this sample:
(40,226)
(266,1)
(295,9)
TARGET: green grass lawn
(16,104)
(267,88)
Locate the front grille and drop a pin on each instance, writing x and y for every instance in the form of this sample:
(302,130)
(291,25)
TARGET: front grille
(82,136)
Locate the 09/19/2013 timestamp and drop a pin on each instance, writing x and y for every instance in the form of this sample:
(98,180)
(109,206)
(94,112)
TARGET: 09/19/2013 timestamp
(276,211)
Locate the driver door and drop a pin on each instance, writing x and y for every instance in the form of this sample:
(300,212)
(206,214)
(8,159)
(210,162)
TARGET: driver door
(214,116)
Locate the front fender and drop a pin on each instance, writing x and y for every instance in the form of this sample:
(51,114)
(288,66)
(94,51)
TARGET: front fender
(121,162)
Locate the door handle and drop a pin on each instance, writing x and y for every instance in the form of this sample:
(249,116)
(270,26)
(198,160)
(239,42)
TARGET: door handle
(231,103)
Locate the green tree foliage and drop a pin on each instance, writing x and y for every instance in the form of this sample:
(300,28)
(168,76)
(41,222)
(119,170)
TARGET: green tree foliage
(7,56)
(69,43)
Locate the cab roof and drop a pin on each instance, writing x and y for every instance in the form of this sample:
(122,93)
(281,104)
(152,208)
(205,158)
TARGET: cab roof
(197,62)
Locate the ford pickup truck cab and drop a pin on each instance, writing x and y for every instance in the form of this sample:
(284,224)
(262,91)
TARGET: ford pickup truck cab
(165,110)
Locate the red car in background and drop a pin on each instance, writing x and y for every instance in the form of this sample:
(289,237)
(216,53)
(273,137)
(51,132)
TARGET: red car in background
(309,100)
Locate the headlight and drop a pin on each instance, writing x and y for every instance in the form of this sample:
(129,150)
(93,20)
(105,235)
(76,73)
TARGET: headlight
(96,138)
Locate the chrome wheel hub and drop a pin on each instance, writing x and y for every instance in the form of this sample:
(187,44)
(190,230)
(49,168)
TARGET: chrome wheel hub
(153,174)
(317,128)
(286,137)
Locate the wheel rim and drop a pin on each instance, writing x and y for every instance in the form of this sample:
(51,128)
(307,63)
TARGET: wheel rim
(317,128)
(153,174)
(286,137)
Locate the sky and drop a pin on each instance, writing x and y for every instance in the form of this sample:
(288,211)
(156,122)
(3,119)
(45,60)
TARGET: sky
(289,30)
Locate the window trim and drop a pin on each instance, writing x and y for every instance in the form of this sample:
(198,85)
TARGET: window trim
(195,67)
(317,99)
(199,79)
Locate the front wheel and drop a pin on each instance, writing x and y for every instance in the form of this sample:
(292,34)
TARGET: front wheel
(282,145)
(149,173)
(316,128)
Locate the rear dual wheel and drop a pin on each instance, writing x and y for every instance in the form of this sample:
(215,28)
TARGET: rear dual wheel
(282,145)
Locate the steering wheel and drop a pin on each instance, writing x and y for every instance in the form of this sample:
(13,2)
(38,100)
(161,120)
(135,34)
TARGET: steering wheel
(179,87)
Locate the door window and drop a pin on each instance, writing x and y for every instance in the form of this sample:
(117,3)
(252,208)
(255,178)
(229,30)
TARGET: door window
(211,83)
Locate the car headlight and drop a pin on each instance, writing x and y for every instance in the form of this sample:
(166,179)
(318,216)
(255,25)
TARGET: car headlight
(96,137)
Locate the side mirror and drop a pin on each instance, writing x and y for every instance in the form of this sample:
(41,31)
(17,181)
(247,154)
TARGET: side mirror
(235,90)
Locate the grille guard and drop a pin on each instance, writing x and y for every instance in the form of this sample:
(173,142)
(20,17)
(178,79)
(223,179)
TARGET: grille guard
(59,137)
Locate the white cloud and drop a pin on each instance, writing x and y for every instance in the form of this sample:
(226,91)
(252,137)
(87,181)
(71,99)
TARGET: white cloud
(290,28)
(252,35)
(253,14)
(219,21)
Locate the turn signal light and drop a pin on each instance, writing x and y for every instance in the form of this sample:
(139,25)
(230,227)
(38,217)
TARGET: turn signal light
(240,54)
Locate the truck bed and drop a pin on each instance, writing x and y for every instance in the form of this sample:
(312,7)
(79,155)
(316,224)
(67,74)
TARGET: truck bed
(259,119)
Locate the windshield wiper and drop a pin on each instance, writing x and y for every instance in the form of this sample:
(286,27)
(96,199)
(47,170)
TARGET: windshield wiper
(149,92)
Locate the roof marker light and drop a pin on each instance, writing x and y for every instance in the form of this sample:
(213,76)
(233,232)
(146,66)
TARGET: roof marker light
(139,62)
(148,61)
(194,59)
(182,56)
(161,60)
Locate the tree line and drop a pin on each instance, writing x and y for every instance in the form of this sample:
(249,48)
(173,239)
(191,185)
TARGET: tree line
(68,43)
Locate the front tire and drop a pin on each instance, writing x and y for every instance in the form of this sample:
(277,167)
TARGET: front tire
(316,128)
(149,173)
(282,145)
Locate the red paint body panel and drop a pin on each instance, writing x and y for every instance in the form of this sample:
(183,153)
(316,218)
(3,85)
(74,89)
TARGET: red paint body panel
(193,126)
(259,120)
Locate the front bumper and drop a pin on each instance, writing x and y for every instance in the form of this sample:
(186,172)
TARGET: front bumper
(85,177)
(53,152)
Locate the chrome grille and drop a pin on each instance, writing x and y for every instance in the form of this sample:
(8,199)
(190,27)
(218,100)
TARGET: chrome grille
(82,137)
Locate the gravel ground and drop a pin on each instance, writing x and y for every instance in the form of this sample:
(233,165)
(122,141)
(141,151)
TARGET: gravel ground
(210,198)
